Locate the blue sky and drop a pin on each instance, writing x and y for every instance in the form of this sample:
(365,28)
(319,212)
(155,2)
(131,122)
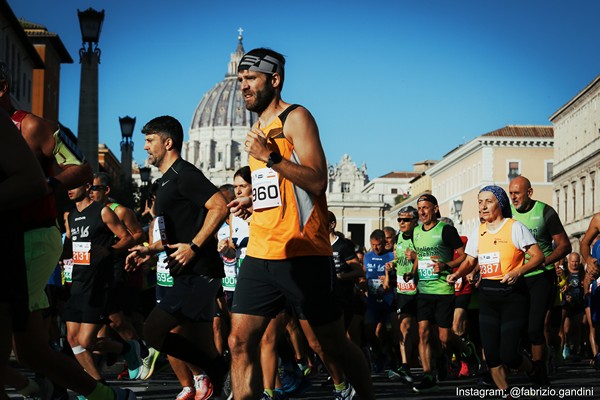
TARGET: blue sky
(390,83)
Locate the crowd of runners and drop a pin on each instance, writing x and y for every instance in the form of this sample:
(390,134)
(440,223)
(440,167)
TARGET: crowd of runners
(248,290)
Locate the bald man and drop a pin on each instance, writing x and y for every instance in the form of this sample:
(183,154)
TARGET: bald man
(543,222)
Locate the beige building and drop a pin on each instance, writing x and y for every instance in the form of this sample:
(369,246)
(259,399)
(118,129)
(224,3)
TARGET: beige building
(577,156)
(493,158)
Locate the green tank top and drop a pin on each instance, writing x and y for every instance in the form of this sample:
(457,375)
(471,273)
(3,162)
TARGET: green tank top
(430,246)
(113,206)
(404,266)
(534,221)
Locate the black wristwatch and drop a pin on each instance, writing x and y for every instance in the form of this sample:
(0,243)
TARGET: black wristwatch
(195,248)
(274,158)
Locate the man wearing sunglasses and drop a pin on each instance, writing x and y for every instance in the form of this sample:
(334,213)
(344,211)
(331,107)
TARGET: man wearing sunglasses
(398,273)
(124,297)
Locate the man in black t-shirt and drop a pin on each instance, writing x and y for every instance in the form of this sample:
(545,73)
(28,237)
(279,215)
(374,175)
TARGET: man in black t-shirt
(192,209)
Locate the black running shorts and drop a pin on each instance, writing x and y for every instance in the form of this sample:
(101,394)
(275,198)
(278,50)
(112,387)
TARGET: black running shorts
(306,283)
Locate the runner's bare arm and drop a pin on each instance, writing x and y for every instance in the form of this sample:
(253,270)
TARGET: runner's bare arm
(24,180)
(302,131)
(39,134)
(114,224)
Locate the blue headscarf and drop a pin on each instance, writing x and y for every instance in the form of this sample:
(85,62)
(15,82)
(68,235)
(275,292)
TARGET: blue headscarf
(502,199)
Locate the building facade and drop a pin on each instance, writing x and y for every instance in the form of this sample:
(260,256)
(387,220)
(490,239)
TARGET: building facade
(577,155)
(493,158)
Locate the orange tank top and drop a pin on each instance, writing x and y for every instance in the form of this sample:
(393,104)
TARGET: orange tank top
(289,221)
(497,253)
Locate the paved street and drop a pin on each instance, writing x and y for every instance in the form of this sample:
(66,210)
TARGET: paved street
(571,376)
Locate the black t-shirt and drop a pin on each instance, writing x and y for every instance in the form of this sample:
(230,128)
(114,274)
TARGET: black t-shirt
(180,199)
(92,249)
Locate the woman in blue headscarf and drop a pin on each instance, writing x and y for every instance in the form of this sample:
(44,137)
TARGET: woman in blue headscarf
(499,246)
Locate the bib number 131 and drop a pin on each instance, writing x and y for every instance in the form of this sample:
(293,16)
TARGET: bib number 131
(265,189)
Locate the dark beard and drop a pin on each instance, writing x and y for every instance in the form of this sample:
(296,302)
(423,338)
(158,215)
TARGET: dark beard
(263,99)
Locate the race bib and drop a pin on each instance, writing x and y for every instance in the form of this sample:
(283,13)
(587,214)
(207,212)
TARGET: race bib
(458,285)
(81,253)
(425,269)
(68,270)
(230,280)
(265,189)
(489,265)
(406,286)
(163,274)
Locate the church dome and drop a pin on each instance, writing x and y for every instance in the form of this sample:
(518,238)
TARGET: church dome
(223,105)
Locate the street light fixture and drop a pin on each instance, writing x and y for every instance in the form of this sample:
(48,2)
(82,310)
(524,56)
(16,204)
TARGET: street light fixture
(458,203)
(145,175)
(127,124)
(90,22)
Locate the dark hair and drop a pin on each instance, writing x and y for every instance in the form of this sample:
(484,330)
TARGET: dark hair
(331,217)
(229,189)
(166,127)
(103,177)
(244,172)
(377,234)
(263,51)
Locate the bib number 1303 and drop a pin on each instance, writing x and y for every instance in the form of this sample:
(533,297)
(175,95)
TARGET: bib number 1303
(265,189)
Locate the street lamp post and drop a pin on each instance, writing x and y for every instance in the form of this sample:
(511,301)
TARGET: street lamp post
(458,203)
(90,22)
(145,178)
(127,124)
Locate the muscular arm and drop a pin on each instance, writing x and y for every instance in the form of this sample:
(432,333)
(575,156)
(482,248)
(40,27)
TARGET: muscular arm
(127,216)
(301,130)
(586,245)
(21,177)
(39,135)
(559,236)
(114,224)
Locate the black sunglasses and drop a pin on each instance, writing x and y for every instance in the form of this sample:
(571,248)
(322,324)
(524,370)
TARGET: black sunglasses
(405,219)
(95,188)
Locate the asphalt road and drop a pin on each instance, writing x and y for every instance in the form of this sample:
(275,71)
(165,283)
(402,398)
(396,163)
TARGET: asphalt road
(573,380)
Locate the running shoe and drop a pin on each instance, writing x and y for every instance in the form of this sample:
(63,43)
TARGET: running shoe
(133,359)
(428,384)
(474,363)
(277,395)
(187,393)
(345,394)
(124,394)
(148,364)
(204,387)
(464,371)
(401,375)
(596,361)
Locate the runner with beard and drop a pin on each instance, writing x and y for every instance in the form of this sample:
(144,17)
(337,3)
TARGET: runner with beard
(289,255)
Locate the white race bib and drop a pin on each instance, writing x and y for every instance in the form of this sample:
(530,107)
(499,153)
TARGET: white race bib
(426,269)
(489,265)
(81,253)
(68,270)
(265,189)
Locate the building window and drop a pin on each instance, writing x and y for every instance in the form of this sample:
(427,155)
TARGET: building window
(219,156)
(549,173)
(394,191)
(345,187)
(514,169)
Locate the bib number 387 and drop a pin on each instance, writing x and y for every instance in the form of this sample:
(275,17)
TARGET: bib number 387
(265,189)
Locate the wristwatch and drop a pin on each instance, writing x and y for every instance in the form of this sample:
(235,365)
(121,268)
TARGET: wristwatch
(195,248)
(274,158)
